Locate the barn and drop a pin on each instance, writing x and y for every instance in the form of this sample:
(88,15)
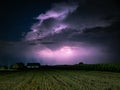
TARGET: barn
(33,65)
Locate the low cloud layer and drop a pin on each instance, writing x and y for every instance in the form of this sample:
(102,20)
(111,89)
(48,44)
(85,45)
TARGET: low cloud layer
(52,54)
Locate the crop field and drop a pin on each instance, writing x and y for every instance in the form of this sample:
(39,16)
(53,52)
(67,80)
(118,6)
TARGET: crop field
(59,80)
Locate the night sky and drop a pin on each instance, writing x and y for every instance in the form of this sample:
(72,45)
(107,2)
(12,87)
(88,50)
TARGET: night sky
(59,31)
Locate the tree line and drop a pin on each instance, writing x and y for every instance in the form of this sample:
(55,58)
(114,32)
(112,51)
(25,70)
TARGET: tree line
(115,67)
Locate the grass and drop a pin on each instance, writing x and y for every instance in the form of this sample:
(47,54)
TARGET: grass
(59,80)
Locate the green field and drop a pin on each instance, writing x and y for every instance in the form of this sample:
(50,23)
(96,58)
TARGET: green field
(59,80)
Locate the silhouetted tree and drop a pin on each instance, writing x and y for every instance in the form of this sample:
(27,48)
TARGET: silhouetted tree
(81,63)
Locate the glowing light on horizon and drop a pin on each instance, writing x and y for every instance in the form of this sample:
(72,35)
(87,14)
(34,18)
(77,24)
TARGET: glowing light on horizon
(46,53)
(67,51)
(67,54)
(64,52)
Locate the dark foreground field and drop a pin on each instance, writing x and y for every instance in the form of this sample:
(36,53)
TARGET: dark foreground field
(59,80)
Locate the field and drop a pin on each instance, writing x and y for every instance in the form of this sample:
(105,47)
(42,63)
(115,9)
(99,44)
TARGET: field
(59,80)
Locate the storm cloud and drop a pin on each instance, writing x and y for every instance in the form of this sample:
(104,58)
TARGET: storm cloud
(68,33)
(65,16)
(52,21)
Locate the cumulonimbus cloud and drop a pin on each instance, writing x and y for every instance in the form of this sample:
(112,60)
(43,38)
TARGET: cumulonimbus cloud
(51,21)
(59,11)
(64,16)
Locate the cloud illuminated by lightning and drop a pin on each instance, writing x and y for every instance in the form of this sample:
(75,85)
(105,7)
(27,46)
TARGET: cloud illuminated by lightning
(58,13)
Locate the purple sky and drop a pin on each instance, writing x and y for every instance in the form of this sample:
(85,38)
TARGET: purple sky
(67,33)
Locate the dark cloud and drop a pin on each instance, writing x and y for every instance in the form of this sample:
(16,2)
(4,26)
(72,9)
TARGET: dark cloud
(76,16)
(51,21)
(86,30)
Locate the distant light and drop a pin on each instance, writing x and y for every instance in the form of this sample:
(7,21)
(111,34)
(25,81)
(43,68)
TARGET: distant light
(63,52)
